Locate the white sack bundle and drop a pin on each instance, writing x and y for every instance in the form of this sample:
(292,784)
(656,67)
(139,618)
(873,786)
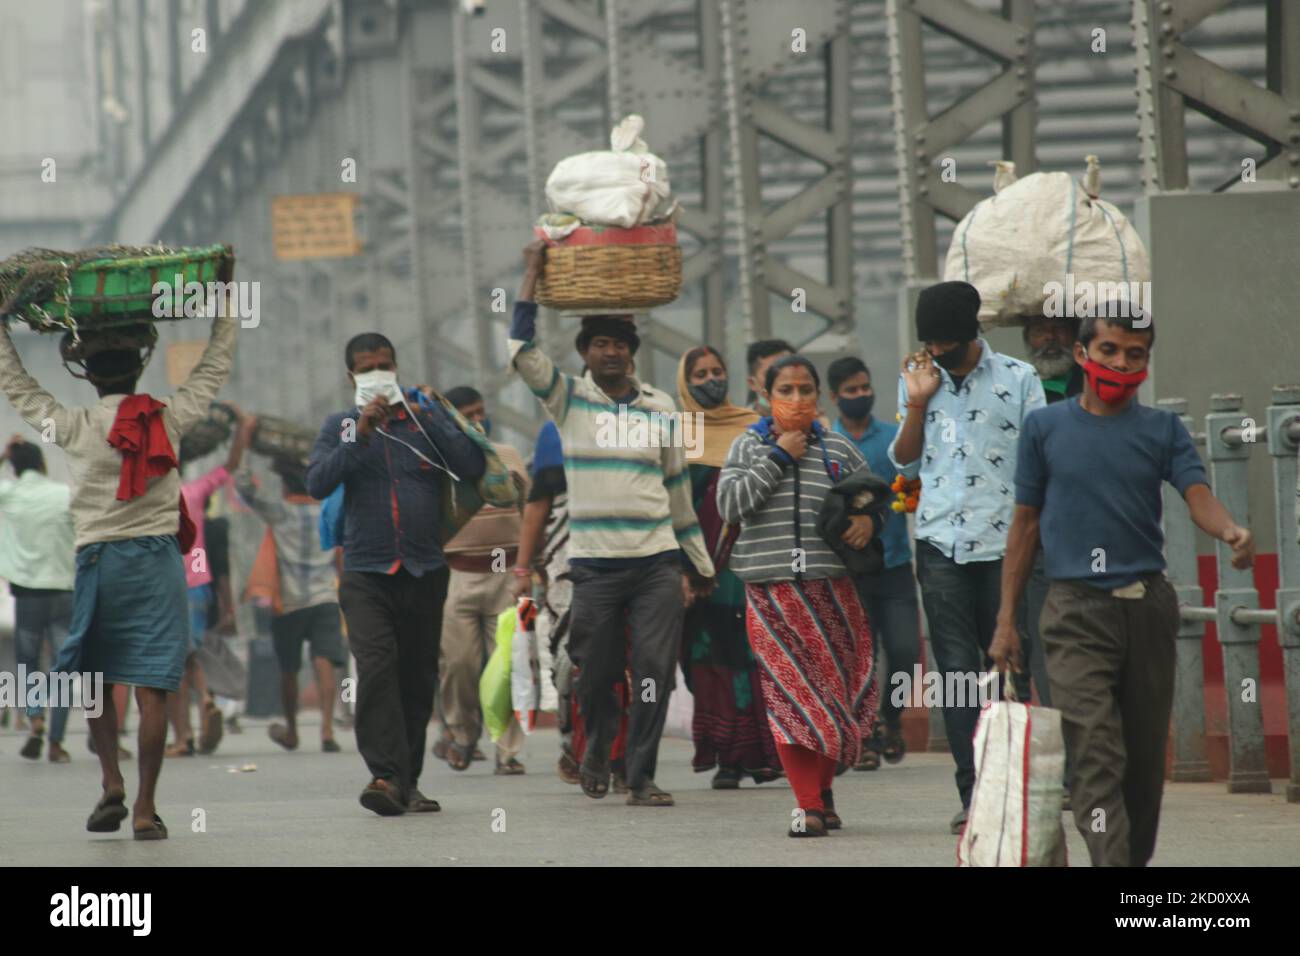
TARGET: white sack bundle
(625,186)
(1044,241)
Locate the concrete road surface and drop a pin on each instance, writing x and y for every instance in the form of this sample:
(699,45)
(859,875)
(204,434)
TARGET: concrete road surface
(301,809)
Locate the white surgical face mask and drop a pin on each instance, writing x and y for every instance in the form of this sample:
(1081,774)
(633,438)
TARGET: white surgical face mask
(377,382)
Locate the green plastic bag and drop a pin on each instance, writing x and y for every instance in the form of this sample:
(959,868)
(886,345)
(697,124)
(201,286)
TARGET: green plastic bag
(494,685)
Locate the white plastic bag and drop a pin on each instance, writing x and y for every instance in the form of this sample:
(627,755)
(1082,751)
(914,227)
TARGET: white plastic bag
(625,186)
(1015,810)
(1037,230)
(525,678)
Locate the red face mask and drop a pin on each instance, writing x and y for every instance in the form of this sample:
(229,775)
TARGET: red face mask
(1113,388)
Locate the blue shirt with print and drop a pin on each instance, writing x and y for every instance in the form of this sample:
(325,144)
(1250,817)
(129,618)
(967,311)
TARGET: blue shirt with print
(874,445)
(968,456)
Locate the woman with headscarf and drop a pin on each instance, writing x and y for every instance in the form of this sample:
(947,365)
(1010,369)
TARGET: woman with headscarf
(730,724)
(805,621)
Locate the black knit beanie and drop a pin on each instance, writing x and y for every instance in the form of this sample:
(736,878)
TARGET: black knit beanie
(614,327)
(948,312)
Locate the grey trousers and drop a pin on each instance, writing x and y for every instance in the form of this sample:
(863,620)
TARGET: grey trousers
(1111,664)
(609,605)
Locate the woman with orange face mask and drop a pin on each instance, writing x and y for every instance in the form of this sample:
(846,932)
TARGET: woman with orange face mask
(805,621)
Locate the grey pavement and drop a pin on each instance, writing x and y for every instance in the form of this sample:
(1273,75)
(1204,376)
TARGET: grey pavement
(301,809)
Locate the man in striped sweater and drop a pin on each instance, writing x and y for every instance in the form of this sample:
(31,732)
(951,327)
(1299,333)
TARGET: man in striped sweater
(630,523)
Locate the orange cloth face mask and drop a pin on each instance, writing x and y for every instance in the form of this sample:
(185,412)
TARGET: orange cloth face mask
(793,416)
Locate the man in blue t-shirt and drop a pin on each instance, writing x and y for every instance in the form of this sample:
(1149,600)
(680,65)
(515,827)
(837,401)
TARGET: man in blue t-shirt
(1088,480)
(890,596)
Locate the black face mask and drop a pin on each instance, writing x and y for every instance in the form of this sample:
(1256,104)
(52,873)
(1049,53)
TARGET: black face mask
(953,358)
(710,393)
(856,409)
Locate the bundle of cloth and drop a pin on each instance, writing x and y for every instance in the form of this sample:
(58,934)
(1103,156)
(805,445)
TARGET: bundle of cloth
(1047,245)
(624,186)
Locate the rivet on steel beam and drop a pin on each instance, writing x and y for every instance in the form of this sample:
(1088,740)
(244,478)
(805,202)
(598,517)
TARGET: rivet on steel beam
(1295,116)
(1021,71)
(1295,159)
(1167,29)
(1166,7)
(924,190)
(1168,51)
(1294,138)
(1170,73)
(1295,182)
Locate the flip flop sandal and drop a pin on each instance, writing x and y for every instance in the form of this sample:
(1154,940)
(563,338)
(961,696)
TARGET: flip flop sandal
(58,754)
(157,830)
(814,825)
(568,770)
(727,778)
(108,814)
(833,821)
(32,749)
(870,760)
(595,779)
(440,747)
(213,728)
(330,746)
(175,750)
(458,757)
(509,768)
(650,796)
(280,734)
(895,747)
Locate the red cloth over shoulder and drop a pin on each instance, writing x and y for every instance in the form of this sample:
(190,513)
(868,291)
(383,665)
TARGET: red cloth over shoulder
(139,434)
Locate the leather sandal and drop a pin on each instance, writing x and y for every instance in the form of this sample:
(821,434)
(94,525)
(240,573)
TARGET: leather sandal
(108,814)
(833,821)
(814,825)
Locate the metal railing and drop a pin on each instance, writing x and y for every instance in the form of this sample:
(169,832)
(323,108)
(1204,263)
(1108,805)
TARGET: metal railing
(1228,439)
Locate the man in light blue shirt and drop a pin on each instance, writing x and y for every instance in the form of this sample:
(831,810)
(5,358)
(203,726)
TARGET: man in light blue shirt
(964,407)
(889,597)
(36,558)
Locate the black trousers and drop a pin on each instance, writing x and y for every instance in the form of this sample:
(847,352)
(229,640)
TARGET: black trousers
(394,631)
(606,605)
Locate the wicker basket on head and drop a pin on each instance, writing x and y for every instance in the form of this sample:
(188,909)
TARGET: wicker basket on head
(209,434)
(280,439)
(609,269)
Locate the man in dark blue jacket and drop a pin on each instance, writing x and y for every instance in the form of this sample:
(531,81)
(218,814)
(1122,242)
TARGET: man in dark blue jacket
(391,454)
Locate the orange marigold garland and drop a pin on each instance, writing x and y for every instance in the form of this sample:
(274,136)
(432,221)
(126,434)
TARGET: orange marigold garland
(907,494)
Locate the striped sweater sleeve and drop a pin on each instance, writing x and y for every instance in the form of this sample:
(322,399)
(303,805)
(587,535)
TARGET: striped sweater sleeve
(749,476)
(552,387)
(686,526)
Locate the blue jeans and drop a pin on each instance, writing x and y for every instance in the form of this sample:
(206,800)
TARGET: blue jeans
(39,618)
(961,605)
(890,600)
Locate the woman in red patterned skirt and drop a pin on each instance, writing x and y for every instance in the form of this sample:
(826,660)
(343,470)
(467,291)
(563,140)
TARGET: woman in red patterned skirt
(806,624)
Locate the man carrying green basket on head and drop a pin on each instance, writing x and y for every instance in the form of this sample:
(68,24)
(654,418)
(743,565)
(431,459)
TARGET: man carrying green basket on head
(130,616)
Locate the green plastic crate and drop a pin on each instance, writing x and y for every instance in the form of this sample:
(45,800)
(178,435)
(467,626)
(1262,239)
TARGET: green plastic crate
(105,287)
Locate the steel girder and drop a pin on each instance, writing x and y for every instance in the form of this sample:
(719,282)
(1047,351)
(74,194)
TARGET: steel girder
(1171,78)
(209,109)
(921,139)
(509,131)
(760,43)
(680,96)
